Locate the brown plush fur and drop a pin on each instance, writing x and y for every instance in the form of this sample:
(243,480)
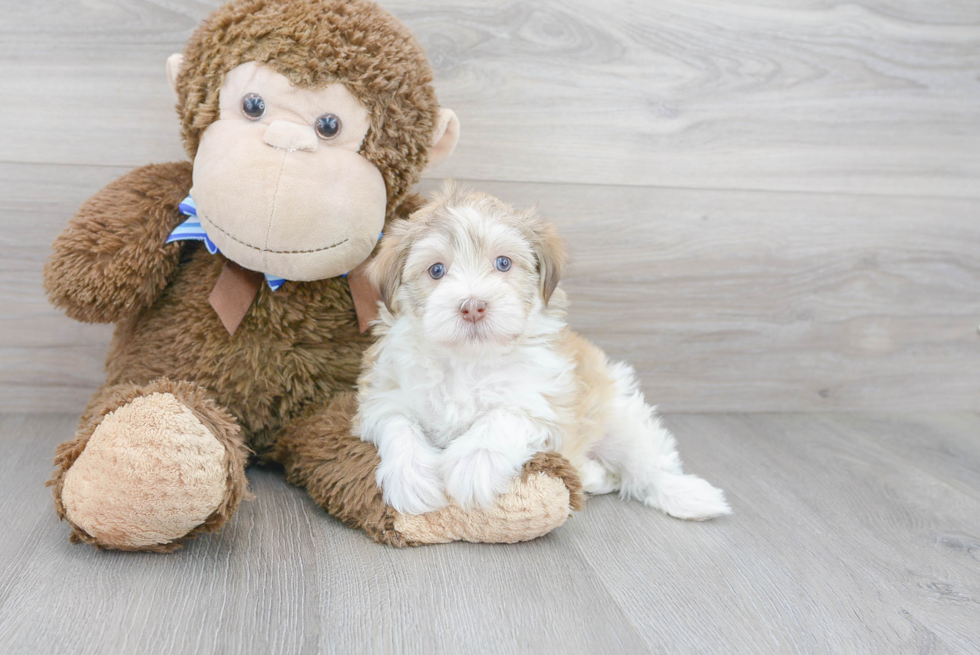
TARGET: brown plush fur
(221,424)
(296,348)
(557,466)
(337,469)
(110,262)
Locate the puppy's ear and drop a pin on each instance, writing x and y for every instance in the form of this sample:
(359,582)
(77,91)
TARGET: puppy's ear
(549,250)
(385,270)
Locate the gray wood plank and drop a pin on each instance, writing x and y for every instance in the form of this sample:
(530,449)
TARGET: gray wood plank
(840,540)
(851,533)
(874,96)
(946,446)
(722,300)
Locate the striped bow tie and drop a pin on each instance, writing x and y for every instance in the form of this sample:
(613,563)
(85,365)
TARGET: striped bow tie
(191,230)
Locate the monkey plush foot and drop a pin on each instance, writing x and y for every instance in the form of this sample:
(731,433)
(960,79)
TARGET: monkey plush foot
(338,470)
(150,467)
(536,503)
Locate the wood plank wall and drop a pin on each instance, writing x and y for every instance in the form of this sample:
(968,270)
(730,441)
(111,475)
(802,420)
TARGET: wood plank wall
(771,206)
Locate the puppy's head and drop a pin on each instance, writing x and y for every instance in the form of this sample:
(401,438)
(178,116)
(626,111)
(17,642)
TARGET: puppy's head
(469,267)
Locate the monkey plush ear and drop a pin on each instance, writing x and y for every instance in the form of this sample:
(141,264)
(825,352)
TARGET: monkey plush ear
(444,138)
(174,64)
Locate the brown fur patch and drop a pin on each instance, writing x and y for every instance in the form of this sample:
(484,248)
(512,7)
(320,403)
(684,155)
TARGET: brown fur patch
(549,250)
(594,396)
(385,270)
(557,466)
(213,417)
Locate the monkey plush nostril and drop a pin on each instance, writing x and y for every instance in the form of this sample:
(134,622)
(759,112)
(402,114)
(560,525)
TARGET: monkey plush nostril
(286,135)
(473,310)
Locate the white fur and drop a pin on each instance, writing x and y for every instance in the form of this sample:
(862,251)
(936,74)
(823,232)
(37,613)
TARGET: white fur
(640,458)
(456,409)
(464,424)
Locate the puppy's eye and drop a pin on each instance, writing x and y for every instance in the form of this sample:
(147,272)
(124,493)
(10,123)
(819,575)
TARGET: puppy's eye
(436,271)
(502,264)
(253,106)
(327,126)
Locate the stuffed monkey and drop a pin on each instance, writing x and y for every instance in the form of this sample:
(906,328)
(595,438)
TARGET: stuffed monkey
(237,332)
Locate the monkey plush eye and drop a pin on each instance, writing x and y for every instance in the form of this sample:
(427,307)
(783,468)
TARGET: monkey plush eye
(436,271)
(327,126)
(502,264)
(253,106)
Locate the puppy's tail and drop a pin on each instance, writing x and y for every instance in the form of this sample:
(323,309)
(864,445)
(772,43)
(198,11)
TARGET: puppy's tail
(685,497)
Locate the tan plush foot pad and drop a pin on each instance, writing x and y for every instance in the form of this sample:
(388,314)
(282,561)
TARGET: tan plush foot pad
(531,508)
(537,503)
(150,473)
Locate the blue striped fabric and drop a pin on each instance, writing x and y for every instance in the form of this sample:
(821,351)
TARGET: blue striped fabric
(191,230)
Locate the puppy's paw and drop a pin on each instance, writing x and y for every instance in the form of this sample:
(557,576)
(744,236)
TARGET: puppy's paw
(477,477)
(688,497)
(596,479)
(414,488)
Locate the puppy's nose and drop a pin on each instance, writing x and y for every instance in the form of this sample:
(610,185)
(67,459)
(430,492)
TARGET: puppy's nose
(473,310)
(286,135)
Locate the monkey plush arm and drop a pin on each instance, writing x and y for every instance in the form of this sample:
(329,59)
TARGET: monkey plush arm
(111,261)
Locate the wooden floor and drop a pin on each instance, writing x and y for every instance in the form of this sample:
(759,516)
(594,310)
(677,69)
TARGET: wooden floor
(852,533)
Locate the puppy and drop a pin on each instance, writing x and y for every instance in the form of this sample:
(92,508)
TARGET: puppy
(475,370)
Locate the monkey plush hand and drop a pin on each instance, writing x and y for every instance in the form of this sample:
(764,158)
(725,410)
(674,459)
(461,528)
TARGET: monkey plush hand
(307,121)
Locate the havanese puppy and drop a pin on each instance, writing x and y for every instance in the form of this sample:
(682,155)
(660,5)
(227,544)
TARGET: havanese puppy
(474,370)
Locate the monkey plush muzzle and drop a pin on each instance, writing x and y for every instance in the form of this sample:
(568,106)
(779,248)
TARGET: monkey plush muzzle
(272,193)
